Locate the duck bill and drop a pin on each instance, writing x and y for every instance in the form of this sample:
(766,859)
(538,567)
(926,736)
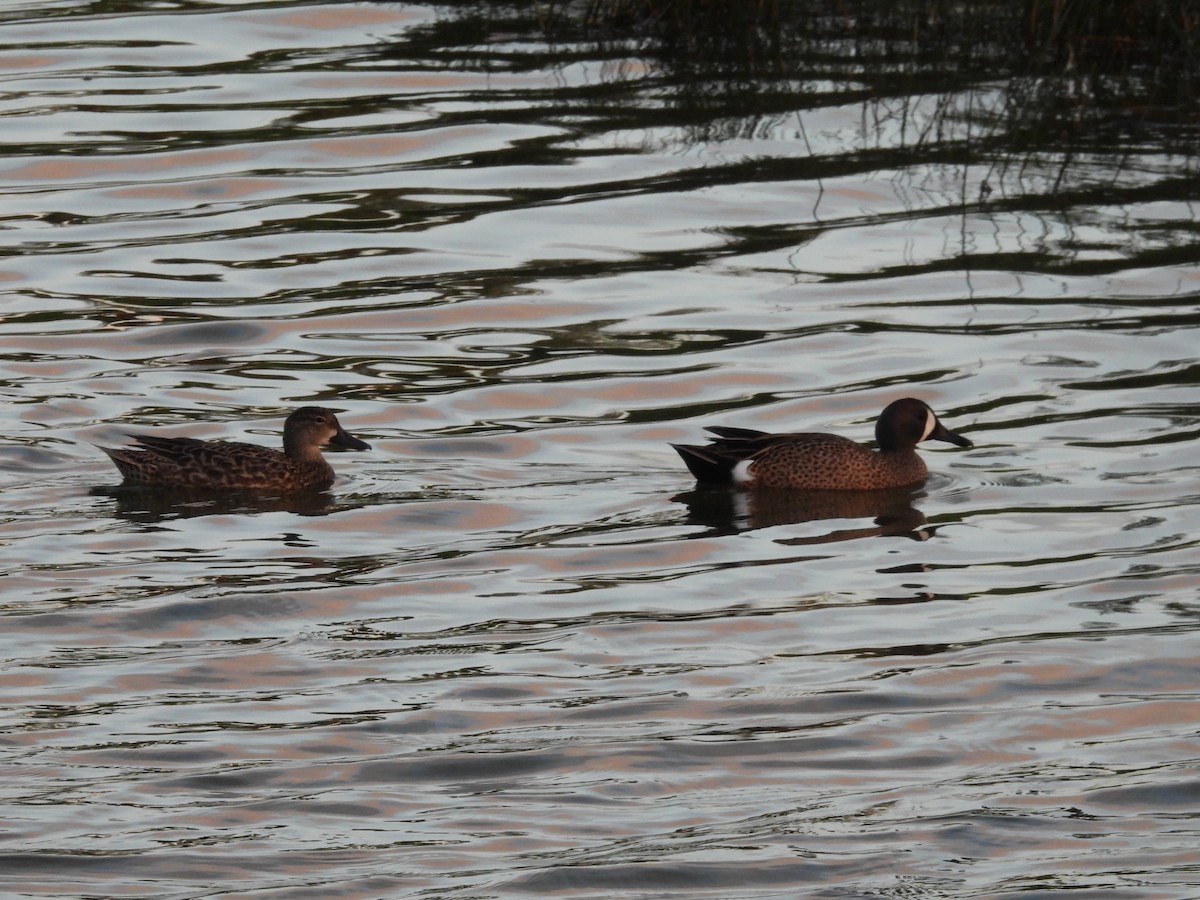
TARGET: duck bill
(942,433)
(343,438)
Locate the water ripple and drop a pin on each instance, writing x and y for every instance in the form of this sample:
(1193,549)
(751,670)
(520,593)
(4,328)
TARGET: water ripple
(515,650)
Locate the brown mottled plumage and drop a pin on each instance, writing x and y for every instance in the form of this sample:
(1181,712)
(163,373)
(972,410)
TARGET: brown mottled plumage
(231,465)
(756,459)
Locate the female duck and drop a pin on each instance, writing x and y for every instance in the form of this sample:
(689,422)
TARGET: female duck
(755,459)
(231,465)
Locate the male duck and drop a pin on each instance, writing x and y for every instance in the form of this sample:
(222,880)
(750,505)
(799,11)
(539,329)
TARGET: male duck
(755,459)
(231,465)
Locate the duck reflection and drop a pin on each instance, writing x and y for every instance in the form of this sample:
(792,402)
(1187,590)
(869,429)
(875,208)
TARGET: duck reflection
(150,505)
(729,511)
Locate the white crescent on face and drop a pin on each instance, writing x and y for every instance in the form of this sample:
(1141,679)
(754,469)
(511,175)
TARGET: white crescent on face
(930,424)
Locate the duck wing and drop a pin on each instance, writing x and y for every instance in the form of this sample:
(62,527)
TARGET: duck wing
(188,462)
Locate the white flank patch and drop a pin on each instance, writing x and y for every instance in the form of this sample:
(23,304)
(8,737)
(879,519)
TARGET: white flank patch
(930,424)
(741,472)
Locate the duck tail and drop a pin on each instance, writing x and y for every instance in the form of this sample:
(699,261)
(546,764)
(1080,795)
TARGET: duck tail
(123,458)
(706,465)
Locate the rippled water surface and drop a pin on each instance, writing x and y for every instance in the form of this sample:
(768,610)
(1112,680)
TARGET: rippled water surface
(514,651)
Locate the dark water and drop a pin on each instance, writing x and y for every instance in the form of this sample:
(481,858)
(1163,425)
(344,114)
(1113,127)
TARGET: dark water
(514,653)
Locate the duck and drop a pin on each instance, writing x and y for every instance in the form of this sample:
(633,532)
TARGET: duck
(822,462)
(182,462)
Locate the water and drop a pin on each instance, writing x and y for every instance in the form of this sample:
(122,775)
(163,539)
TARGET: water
(514,652)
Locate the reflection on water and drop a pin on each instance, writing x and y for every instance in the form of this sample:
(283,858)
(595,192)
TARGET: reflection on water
(729,510)
(512,650)
(151,504)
